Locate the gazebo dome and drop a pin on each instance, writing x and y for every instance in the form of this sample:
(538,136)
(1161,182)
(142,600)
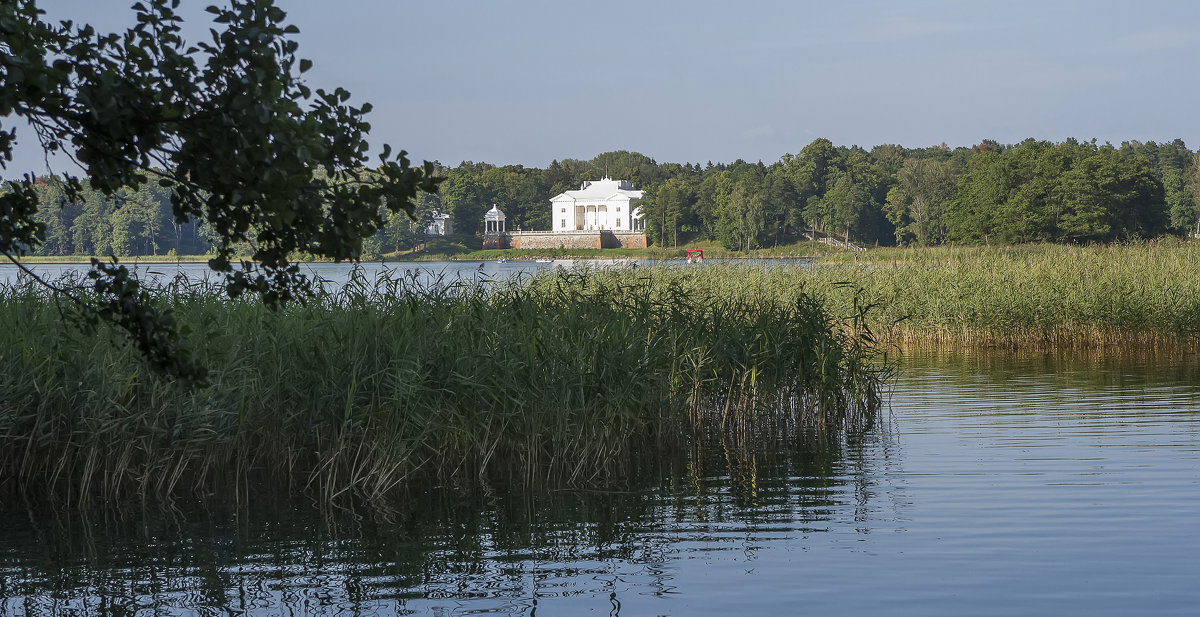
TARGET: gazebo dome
(494,214)
(493,221)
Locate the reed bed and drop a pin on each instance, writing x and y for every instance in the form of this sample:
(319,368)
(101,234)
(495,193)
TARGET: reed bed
(385,382)
(1132,298)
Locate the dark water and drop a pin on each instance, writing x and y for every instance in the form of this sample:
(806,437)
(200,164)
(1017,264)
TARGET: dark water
(1000,487)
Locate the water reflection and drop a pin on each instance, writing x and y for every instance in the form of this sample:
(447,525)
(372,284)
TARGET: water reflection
(1004,485)
(447,551)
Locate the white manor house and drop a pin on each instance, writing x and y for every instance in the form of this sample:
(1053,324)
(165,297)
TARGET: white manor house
(603,204)
(601,214)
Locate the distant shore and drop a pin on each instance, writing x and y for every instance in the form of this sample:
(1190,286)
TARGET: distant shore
(482,256)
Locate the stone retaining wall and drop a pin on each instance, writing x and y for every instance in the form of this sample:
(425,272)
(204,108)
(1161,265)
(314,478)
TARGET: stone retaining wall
(565,240)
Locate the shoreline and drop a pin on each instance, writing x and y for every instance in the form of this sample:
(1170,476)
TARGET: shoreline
(356,393)
(203,259)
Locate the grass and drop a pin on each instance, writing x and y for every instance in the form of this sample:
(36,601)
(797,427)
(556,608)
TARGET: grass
(1142,297)
(1138,297)
(558,377)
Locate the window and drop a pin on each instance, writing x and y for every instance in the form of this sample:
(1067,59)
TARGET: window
(618,208)
(564,210)
(564,223)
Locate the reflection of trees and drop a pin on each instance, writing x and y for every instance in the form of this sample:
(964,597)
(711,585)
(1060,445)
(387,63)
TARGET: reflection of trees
(490,546)
(1078,384)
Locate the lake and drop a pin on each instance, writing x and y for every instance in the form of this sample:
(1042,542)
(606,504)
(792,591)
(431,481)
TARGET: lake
(336,274)
(997,486)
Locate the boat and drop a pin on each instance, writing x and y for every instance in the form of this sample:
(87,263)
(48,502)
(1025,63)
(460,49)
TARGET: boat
(543,260)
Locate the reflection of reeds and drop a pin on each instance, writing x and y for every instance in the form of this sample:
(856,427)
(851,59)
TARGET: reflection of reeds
(440,543)
(385,381)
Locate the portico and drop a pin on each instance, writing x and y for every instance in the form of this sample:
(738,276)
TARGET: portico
(601,214)
(602,205)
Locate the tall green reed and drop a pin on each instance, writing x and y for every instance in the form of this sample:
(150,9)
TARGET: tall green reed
(1136,297)
(387,381)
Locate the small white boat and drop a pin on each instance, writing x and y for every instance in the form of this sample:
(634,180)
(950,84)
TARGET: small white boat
(543,260)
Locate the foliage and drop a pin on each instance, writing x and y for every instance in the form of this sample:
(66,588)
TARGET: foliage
(916,204)
(227,126)
(991,193)
(1067,192)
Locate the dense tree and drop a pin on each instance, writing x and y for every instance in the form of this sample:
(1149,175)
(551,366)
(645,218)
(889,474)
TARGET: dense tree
(784,215)
(633,166)
(1191,187)
(915,204)
(810,171)
(981,189)
(714,191)
(522,195)
(465,198)
(226,123)
(1067,192)
(670,206)
(1033,191)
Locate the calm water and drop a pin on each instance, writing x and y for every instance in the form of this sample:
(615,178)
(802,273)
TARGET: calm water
(338,274)
(1000,487)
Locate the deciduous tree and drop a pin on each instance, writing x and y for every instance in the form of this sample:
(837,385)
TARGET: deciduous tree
(226,123)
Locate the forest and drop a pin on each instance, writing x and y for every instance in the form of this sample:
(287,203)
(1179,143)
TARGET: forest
(990,193)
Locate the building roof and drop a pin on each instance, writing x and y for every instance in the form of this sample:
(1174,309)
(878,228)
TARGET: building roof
(602,190)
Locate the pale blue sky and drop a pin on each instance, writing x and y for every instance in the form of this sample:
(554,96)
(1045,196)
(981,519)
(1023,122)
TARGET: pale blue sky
(526,82)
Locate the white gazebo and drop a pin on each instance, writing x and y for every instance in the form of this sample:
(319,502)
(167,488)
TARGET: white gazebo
(493,221)
(601,205)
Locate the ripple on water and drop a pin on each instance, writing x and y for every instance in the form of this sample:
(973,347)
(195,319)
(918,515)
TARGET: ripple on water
(999,487)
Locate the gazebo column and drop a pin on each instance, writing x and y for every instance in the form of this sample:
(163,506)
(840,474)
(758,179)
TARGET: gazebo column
(493,221)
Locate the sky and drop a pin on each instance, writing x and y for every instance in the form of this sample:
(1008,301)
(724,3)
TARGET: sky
(526,82)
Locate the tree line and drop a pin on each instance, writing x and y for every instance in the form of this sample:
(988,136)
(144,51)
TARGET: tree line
(1034,191)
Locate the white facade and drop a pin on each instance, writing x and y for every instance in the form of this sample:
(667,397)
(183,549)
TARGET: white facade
(439,225)
(603,204)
